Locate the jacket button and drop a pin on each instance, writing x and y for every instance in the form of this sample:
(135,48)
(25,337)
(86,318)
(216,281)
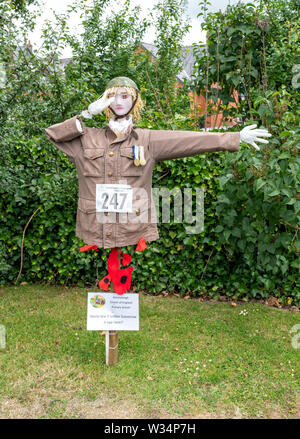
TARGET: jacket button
(108,234)
(109,174)
(91,155)
(137,211)
(106,213)
(111,154)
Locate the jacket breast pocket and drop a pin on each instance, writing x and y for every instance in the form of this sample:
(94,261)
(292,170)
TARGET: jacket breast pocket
(128,168)
(93,162)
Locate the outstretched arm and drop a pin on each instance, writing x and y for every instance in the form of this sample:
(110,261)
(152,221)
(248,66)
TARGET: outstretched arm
(168,144)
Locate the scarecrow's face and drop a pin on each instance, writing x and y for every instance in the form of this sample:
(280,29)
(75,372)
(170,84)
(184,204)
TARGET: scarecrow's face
(122,103)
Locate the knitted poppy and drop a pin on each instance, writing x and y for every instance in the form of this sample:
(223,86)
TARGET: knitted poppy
(113,261)
(86,248)
(120,277)
(104,282)
(126,259)
(141,245)
(122,280)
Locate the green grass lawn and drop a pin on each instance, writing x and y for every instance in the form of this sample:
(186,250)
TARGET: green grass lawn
(189,359)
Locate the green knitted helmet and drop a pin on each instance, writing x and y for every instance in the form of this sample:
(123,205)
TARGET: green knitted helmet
(121,81)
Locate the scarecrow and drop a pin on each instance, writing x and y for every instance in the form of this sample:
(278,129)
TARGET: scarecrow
(119,159)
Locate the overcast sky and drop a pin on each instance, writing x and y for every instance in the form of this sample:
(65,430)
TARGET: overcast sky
(192,10)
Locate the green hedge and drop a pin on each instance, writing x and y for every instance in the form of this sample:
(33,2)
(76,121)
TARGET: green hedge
(248,248)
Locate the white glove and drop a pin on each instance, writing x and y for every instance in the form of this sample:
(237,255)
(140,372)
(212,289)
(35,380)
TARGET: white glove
(97,106)
(249,135)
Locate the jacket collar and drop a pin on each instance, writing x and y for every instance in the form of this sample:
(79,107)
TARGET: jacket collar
(132,132)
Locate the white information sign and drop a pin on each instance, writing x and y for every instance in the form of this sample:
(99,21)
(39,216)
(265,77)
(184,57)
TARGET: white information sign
(111,311)
(113,198)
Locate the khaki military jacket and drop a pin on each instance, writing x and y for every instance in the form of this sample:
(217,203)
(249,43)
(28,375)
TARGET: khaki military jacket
(102,157)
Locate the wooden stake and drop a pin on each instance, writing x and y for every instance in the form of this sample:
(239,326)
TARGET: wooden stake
(112,346)
(112,337)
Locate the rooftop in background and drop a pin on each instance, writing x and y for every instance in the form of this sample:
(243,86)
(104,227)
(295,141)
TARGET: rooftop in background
(186,54)
(187,57)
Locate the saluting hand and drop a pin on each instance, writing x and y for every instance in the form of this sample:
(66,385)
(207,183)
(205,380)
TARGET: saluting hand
(98,106)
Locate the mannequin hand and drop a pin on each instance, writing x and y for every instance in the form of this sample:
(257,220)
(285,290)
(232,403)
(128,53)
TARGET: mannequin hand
(249,135)
(98,106)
